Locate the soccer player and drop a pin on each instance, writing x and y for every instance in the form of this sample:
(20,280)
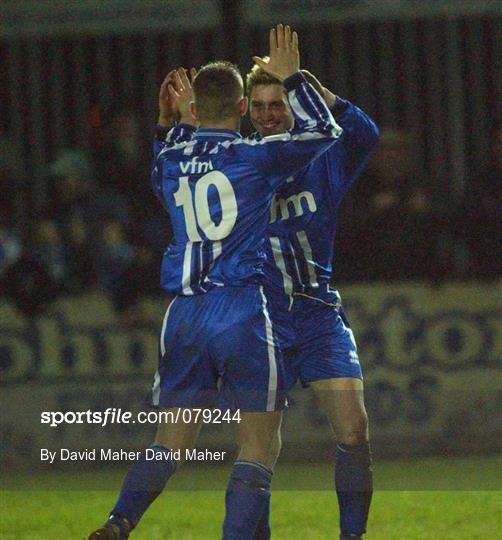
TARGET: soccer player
(218,189)
(317,342)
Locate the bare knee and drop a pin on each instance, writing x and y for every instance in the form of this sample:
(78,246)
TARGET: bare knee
(354,431)
(343,402)
(262,450)
(259,438)
(176,436)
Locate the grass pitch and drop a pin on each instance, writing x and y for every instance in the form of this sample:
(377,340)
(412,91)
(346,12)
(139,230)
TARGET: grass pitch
(429,499)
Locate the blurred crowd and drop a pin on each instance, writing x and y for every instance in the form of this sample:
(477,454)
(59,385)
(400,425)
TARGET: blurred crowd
(396,224)
(98,225)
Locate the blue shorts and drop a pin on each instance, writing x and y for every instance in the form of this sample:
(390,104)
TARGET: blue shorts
(219,346)
(315,336)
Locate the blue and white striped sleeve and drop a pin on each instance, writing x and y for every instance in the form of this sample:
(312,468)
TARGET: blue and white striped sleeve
(309,108)
(166,139)
(360,136)
(169,136)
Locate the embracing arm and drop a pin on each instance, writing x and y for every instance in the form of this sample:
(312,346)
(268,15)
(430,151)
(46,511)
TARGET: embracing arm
(360,133)
(360,137)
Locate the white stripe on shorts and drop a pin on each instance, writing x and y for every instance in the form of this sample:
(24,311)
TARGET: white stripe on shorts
(279,261)
(156,389)
(272,363)
(187,269)
(309,258)
(156,379)
(164,324)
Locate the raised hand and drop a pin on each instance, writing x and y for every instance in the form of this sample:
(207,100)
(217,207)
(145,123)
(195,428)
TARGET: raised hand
(175,97)
(180,92)
(284,58)
(328,96)
(168,111)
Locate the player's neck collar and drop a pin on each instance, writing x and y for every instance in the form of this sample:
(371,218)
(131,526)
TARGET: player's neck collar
(218,133)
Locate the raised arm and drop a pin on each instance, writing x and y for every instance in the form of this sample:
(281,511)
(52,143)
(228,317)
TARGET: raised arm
(360,136)
(175,123)
(282,155)
(360,133)
(174,104)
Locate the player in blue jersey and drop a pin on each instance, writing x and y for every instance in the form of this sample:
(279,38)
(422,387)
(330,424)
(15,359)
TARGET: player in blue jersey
(318,344)
(217,188)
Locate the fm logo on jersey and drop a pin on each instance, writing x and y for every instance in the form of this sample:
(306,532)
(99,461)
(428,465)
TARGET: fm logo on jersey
(280,208)
(196,167)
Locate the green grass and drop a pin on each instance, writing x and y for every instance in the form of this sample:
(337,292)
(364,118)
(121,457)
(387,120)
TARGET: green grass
(428,499)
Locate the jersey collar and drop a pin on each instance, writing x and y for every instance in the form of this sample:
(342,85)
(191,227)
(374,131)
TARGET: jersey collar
(217,133)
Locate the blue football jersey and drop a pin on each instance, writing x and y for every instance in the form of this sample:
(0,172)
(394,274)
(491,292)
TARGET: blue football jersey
(304,212)
(217,188)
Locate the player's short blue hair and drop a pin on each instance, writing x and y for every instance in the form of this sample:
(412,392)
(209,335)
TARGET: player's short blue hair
(217,88)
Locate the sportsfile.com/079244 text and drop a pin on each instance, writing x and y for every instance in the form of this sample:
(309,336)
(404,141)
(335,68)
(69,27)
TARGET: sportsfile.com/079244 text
(118,416)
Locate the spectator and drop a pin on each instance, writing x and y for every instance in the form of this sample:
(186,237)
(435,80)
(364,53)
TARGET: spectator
(49,251)
(387,230)
(123,166)
(80,208)
(124,269)
(11,247)
(31,277)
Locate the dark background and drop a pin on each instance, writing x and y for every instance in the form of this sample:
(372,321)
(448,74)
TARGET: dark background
(81,234)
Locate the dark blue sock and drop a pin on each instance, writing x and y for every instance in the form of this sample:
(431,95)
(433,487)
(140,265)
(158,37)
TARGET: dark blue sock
(263,531)
(142,485)
(354,487)
(248,494)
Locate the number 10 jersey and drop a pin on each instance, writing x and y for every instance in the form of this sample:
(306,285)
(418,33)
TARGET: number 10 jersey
(217,188)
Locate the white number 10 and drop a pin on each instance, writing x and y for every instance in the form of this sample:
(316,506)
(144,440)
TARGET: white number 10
(200,214)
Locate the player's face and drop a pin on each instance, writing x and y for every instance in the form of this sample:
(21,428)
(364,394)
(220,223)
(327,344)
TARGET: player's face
(269,109)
